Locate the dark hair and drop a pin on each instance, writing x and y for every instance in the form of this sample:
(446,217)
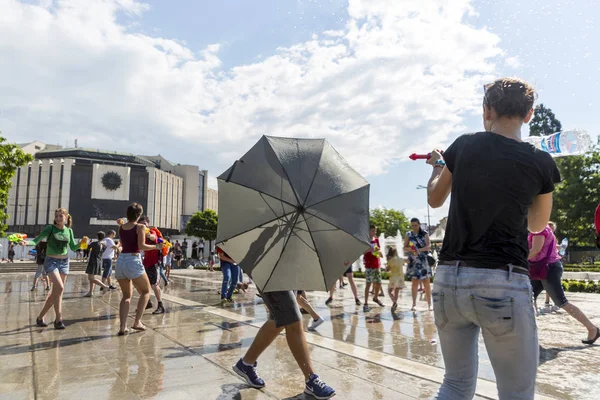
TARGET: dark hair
(392,252)
(111,232)
(101,235)
(372,227)
(144,218)
(510,97)
(134,212)
(421,231)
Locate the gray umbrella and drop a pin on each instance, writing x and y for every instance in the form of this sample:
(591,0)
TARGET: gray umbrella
(292,212)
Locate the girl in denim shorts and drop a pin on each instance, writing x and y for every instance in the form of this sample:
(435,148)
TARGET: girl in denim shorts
(130,270)
(56,264)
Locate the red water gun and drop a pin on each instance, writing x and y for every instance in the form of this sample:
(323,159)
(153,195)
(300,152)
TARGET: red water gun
(415,156)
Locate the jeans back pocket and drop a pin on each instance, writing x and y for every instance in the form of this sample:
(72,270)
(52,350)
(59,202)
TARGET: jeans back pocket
(495,315)
(439,310)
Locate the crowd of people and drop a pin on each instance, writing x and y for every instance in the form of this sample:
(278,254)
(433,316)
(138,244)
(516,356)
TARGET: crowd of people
(498,233)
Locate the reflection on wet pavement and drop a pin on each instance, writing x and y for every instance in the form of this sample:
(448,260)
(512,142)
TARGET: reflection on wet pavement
(189,351)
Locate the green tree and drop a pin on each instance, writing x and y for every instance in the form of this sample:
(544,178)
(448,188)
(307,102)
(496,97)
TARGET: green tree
(389,221)
(203,224)
(11,157)
(576,197)
(544,122)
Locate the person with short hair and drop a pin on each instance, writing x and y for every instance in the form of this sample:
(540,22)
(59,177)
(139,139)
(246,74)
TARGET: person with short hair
(107,259)
(94,266)
(373,269)
(151,261)
(130,269)
(40,256)
(501,188)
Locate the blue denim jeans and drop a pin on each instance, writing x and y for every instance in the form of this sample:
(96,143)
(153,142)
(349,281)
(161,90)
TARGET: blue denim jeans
(230,279)
(499,304)
(162,273)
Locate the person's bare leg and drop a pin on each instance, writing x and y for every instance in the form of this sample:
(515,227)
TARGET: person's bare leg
(265,336)
(576,313)
(142,284)
(367,290)
(100,283)
(302,302)
(91,280)
(54,296)
(331,292)
(427,284)
(377,290)
(415,291)
(157,292)
(125,285)
(294,334)
(350,277)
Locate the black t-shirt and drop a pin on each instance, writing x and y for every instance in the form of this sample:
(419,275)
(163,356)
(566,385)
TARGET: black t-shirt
(494,182)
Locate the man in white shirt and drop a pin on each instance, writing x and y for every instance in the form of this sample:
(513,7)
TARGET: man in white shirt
(107,259)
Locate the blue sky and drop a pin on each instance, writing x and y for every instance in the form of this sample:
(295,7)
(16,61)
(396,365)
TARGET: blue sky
(552,41)
(549,43)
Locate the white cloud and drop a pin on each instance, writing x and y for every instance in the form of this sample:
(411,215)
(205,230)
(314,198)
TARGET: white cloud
(398,78)
(513,62)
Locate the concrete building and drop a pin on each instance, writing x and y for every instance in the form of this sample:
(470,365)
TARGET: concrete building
(97,186)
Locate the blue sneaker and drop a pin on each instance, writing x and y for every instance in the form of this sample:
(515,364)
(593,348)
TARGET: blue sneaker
(248,372)
(318,389)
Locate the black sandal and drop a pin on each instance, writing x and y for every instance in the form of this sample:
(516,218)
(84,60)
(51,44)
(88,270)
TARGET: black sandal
(40,322)
(590,342)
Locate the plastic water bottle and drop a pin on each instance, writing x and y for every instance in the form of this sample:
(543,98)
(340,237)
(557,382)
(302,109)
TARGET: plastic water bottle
(567,143)
(563,247)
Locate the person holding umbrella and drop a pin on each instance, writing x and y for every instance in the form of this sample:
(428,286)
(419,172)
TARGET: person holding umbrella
(293,214)
(284,314)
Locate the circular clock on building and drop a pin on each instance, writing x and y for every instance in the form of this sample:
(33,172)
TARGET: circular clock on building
(112,181)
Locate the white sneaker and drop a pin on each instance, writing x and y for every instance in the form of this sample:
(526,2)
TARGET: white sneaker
(556,309)
(547,309)
(315,324)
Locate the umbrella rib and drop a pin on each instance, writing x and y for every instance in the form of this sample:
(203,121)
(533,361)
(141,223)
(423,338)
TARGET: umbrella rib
(271,208)
(336,196)
(288,179)
(317,251)
(261,192)
(253,228)
(314,176)
(282,251)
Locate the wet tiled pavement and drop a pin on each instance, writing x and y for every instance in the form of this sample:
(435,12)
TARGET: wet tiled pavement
(188,352)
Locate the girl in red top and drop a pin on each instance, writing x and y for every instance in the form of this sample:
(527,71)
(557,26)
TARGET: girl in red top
(130,268)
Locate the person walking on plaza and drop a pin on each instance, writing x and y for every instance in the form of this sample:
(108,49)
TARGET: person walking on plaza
(373,269)
(283,314)
(40,256)
(151,261)
(130,270)
(546,273)
(305,305)
(501,187)
(417,245)
(107,259)
(396,282)
(60,239)
(350,275)
(201,249)
(94,265)
(231,274)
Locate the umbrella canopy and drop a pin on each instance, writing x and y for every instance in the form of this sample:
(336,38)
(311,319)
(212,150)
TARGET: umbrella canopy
(292,212)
